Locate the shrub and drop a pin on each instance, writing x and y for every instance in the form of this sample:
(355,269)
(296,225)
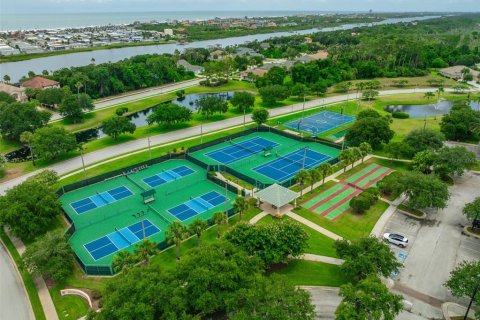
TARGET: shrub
(400,115)
(360,203)
(121,111)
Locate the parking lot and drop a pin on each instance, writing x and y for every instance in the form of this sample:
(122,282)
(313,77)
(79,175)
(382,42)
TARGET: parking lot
(436,245)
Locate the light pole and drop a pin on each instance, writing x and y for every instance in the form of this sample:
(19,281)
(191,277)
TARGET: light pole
(83,161)
(149,148)
(201,130)
(474,293)
(226,202)
(244,115)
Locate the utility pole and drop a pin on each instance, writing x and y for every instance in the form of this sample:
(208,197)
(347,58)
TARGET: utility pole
(83,162)
(226,202)
(201,130)
(244,115)
(149,148)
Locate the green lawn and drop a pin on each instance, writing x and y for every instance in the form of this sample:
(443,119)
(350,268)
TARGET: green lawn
(317,243)
(309,273)
(349,225)
(68,307)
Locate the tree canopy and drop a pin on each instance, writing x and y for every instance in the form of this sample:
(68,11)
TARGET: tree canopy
(463,280)
(116,126)
(51,141)
(18,117)
(272,93)
(209,105)
(243,101)
(460,123)
(169,114)
(372,130)
(30,208)
(424,139)
(260,116)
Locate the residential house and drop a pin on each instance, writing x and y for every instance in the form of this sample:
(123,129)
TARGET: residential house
(16,92)
(455,72)
(249,75)
(190,67)
(40,83)
(320,55)
(244,51)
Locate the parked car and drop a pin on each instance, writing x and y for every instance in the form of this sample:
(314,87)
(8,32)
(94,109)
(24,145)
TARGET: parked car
(396,239)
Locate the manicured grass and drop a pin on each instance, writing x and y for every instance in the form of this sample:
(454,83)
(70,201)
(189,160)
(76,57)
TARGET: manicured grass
(7,145)
(349,225)
(309,273)
(317,243)
(26,277)
(68,307)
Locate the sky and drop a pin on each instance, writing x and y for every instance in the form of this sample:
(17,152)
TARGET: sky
(63,6)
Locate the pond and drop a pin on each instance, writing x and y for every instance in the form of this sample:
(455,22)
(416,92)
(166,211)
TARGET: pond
(427,110)
(139,118)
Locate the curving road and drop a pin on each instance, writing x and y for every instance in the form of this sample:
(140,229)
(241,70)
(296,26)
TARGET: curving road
(14,303)
(131,146)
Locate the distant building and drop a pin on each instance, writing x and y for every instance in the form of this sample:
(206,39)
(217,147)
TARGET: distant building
(320,55)
(244,51)
(168,32)
(190,67)
(250,75)
(40,83)
(16,92)
(455,72)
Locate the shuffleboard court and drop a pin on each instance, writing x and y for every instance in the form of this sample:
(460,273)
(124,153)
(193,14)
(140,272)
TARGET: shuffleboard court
(167,176)
(101,199)
(286,167)
(320,122)
(241,150)
(197,205)
(120,239)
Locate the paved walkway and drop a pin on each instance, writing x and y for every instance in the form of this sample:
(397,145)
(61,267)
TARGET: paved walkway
(324,259)
(386,216)
(43,293)
(314,226)
(258,217)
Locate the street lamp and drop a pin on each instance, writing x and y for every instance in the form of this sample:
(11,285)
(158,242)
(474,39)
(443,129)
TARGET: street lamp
(474,293)
(80,147)
(149,148)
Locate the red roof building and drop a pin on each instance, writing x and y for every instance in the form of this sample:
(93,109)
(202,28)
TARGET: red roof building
(41,83)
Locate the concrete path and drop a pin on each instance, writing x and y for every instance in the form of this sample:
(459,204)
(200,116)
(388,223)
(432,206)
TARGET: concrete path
(14,301)
(43,293)
(258,217)
(127,147)
(324,259)
(135,95)
(314,226)
(379,227)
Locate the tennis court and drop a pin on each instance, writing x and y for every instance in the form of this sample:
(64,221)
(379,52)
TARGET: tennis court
(197,205)
(286,167)
(120,239)
(320,122)
(117,225)
(271,166)
(101,199)
(167,176)
(241,150)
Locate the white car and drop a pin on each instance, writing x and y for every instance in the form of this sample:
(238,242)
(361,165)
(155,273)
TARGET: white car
(396,239)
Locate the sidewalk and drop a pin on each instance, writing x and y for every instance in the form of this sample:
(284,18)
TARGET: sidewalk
(314,226)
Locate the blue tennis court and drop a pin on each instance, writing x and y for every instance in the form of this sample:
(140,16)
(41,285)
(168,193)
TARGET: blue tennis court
(241,150)
(286,167)
(120,239)
(168,175)
(100,199)
(197,205)
(321,122)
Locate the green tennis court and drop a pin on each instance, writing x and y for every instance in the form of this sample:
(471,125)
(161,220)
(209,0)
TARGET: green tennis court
(103,230)
(276,164)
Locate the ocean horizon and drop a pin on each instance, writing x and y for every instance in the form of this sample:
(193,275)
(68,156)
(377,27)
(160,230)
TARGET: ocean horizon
(11,22)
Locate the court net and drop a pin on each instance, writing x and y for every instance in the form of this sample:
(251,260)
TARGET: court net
(162,216)
(123,236)
(240,145)
(135,183)
(200,203)
(101,197)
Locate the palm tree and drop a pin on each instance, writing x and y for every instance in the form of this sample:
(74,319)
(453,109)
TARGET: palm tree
(219,218)
(176,233)
(356,155)
(240,206)
(347,157)
(197,227)
(429,95)
(314,177)
(123,261)
(145,249)
(440,90)
(6,78)
(78,85)
(302,178)
(325,170)
(365,149)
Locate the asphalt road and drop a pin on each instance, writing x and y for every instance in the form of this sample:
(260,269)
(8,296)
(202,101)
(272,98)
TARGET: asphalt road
(14,303)
(437,245)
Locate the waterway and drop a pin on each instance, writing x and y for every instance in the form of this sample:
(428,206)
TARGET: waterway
(428,110)
(20,68)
